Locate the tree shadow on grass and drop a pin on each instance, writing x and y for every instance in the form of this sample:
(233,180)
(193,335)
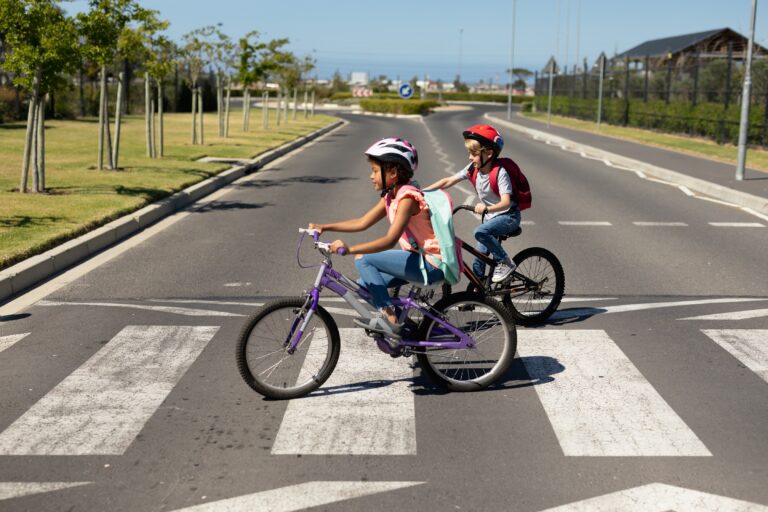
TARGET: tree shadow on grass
(28,221)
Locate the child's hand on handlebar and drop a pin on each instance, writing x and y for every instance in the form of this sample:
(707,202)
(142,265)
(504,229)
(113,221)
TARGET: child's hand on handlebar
(338,245)
(481,208)
(316,227)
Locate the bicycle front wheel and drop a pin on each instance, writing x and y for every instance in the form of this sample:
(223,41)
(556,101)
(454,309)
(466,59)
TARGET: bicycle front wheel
(493,330)
(534,299)
(262,349)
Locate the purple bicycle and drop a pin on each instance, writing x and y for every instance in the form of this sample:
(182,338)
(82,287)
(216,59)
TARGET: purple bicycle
(289,347)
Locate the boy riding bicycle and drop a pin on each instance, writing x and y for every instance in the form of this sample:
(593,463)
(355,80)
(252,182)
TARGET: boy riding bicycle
(502,214)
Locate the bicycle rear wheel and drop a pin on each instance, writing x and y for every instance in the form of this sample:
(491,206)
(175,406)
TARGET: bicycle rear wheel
(533,301)
(263,359)
(492,328)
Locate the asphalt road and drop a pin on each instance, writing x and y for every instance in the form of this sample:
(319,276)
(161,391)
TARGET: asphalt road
(647,387)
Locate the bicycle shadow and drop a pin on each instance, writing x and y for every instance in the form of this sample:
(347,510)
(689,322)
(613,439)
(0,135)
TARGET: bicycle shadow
(569,316)
(523,373)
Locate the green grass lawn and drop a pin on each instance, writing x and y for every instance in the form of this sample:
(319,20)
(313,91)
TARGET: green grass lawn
(756,158)
(80,198)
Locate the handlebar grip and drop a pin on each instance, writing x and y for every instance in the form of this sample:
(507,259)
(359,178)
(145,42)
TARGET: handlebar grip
(342,251)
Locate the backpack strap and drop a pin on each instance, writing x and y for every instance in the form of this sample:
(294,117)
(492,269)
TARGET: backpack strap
(493,178)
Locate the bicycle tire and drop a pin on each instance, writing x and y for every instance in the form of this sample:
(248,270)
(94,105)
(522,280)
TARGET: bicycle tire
(464,370)
(265,331)
(534,307)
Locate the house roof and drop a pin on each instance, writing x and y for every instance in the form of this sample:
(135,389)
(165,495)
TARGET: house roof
(676,44)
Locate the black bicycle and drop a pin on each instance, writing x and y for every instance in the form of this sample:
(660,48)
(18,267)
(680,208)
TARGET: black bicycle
(534,289)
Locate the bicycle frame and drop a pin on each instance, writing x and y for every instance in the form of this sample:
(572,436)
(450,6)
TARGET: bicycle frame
(486,284)
(338,283)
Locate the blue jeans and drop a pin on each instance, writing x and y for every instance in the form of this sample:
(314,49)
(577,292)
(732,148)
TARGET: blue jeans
(486,234)
(388,269)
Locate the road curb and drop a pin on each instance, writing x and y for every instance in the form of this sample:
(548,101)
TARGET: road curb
(721,192)
(30,272)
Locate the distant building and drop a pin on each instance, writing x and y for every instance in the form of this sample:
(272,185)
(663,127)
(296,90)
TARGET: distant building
(712,44)
(358,78)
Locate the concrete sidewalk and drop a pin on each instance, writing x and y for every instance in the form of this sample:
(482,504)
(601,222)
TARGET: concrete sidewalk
(708,177)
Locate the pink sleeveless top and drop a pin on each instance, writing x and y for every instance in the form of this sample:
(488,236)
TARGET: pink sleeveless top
(419,226)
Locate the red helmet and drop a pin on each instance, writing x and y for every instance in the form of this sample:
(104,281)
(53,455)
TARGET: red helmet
(487,136)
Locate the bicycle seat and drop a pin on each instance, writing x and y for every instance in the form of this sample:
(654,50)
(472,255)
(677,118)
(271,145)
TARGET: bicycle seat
(512,234)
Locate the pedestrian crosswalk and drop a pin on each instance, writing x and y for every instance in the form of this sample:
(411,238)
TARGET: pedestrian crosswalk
(595,399)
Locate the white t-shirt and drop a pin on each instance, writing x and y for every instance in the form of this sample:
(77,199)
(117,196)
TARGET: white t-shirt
(484,190)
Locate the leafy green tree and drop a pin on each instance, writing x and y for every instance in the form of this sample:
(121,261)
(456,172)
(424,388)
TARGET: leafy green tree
(138,44)
(338,84)
(42,43)
(250,70)
(195,52)
(101,27)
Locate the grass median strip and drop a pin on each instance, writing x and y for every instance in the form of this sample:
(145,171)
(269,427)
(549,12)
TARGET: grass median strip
(727,153)
(79,197)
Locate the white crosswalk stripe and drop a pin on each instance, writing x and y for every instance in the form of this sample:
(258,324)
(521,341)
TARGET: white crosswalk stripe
(365,408)
(7,342)
(101,407)
(750,346)
(598,402)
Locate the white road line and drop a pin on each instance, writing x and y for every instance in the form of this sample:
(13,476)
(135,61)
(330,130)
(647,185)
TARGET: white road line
(583,223)
(643,223)
(101,407)
(162,309)
(299,497)
(737,224)
(750,346)
(734,315)
(527,223)
(598,402)
(660,498)
(365,408)
(558,315)
(8,341)
(10,490)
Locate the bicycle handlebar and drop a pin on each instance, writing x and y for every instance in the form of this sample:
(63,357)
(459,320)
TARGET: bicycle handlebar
(464,207)
(325,246)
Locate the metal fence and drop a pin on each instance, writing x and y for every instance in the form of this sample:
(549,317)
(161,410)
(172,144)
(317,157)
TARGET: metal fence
(695,96)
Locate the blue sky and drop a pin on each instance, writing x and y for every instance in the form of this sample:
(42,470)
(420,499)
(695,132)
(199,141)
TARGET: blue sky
(440,38)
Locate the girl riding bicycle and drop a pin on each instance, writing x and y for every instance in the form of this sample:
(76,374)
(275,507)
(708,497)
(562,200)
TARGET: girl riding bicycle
(502,215)
(393,162)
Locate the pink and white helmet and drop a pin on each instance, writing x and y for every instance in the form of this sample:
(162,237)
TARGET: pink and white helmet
(395,150)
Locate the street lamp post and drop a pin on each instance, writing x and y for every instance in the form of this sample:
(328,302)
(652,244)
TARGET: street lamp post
(511,65)
(745,100)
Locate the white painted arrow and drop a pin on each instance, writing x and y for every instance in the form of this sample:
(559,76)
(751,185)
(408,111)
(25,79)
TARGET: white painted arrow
(10,490)
(299,497)
(660,498)
(9,341)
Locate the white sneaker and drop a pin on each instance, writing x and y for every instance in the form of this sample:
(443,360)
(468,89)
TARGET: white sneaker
(502,271)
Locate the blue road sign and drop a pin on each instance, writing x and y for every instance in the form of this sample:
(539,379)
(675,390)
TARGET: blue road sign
(405,91)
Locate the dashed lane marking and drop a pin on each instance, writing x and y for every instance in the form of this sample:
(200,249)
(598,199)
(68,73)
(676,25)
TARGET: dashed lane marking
(737,224)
